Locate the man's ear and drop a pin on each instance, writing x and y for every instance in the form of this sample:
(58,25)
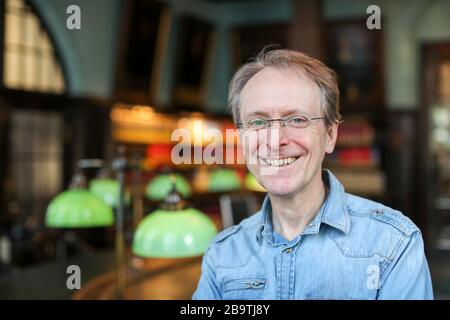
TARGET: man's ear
(332,132)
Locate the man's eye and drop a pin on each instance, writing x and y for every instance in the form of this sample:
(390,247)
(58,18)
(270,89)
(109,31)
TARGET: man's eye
(297,120)
(256,123)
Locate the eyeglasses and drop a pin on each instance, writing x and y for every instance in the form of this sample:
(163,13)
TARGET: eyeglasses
(298,122)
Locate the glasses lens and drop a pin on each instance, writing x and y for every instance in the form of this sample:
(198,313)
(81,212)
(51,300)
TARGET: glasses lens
(257,124)
(297,122)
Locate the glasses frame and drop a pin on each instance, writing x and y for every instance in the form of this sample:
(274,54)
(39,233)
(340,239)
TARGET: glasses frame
(284,121)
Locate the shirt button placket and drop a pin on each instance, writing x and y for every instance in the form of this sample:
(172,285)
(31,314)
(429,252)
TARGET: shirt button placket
(292,275)
(279,276)
(286,267)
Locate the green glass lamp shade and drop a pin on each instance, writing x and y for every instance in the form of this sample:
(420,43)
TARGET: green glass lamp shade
(173,234)
(160,186)
(78,208)
(252,184)
(108,190)
(223,180)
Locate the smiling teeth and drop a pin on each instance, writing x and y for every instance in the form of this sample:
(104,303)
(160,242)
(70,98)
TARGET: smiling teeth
(280,162)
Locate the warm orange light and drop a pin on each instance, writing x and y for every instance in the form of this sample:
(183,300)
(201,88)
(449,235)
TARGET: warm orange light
(199,129)
(141,124)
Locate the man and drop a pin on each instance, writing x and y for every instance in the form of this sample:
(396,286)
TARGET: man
(310,240)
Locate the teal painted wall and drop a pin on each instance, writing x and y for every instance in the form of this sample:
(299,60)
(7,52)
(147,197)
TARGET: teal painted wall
(88,54)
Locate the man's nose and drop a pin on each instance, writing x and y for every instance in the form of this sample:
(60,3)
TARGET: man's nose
(277,134)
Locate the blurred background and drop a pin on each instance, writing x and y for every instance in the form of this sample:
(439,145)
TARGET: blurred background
(114,90)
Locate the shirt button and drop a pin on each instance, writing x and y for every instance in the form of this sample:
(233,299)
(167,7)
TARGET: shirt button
(288,250)
(378,212)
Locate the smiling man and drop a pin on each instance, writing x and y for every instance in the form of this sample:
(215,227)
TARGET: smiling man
(311,239)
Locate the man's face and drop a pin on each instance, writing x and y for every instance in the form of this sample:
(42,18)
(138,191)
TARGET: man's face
(274,94)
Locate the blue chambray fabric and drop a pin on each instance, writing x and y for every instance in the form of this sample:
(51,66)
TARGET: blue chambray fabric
(354,248)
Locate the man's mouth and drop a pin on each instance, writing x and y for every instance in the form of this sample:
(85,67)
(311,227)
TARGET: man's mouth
(281,162)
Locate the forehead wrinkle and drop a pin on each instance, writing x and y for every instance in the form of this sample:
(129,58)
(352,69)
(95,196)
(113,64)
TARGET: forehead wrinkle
(291,86)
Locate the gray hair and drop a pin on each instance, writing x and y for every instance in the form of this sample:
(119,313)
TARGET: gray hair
(283,59)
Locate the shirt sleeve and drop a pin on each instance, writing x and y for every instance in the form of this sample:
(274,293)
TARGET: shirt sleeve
(207,288)
(409,278)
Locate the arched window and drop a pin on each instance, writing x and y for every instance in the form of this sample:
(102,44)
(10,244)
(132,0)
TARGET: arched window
(29,58)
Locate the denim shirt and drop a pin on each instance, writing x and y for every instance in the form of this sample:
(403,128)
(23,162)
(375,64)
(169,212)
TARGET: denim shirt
(354,248)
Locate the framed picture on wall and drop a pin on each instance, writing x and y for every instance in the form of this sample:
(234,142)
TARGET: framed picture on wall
(248,41)
(356,54)
(143,46)
(195,49)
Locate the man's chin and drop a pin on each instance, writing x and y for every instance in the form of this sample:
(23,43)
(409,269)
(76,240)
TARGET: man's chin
(278,184)
(281,190)
(280,193)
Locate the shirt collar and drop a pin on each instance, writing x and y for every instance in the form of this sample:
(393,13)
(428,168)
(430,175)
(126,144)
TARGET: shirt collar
(334,211)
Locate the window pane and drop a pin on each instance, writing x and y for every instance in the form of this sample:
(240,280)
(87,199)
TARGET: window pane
(59,81)
(45,72)
(45,178)
(54,175)
(54,140)
(12,28)
(32,30)
(30,81)
(45,41)
(12,65)
(36,142)
(15,4)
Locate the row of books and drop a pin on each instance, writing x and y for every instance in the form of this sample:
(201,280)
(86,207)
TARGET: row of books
(356,161)
(355,133)
(354,157)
